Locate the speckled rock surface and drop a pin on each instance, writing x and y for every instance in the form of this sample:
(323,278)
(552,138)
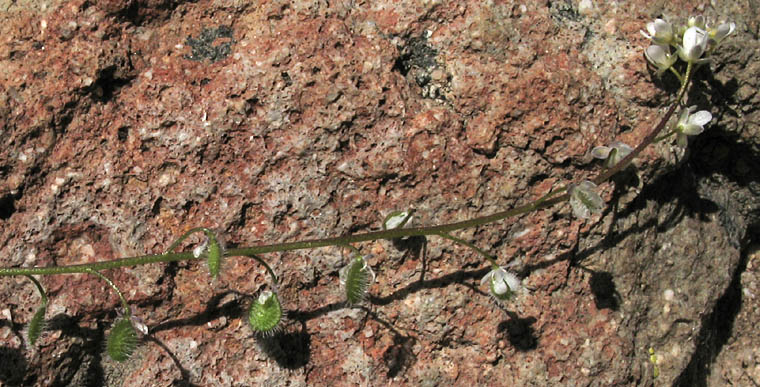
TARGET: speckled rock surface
(125,123)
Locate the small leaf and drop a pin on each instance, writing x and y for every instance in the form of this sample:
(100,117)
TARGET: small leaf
(356,278)
(122,341)
(265,313)
(36,324)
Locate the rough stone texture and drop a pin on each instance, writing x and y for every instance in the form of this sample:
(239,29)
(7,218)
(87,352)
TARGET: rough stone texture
(125,123)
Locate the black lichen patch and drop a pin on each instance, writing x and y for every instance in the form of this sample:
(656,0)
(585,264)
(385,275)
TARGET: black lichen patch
(416,54)
(203,47)
(417,62)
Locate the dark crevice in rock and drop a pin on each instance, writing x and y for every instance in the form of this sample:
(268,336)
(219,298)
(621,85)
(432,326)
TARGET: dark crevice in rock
(14,368)
(8,205)
(721,164)
(109,83)
(138,13)
(717,328)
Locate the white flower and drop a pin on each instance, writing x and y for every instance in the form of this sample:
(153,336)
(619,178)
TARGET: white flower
(697,21)
(139,324)
(660,32)
(613,154)
(397,219)
(694,45)
(200,249)
(718,34)
(660,57)
(584,200)
(502,283)
(691,124)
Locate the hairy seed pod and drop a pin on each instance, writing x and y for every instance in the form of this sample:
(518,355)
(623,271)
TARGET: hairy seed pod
(355,279)
(214,254)
(122,341)
(36,324)
(265,313)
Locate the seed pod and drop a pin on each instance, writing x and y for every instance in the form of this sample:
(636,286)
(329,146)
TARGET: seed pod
(36,324)
(214,254)
(584,200)
(355,279)
(265,313)
(122,341)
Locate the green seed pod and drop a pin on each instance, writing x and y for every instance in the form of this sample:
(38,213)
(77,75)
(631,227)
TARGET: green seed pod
(584,200)
(214,254)
(122,341)
(355,279)
(265,313)
(37,324)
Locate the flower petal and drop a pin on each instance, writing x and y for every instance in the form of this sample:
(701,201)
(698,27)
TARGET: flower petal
(682,140)
(724,30)
(700,118)
(487,278)
(692,129)
(694,44)
(683,118)
(500,286)
(623,148)
(601,152)
(656,55)
(697,21)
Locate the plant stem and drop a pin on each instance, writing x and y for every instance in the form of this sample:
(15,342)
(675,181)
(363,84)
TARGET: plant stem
(471,245)
(40,289)
(443,230)
(113,286)
(275,281)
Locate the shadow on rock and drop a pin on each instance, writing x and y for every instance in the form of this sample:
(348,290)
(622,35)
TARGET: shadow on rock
(519,331)
(289,347)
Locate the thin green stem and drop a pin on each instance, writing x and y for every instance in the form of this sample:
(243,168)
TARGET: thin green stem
(113,286)
(664,136)
(649,139)
(97,266)
(275,281)
(463,242)
(352,248)
(185,236)
(545,201)
(676,73)
(40,289)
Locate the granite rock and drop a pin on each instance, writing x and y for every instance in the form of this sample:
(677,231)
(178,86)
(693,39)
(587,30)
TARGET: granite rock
(125,123)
